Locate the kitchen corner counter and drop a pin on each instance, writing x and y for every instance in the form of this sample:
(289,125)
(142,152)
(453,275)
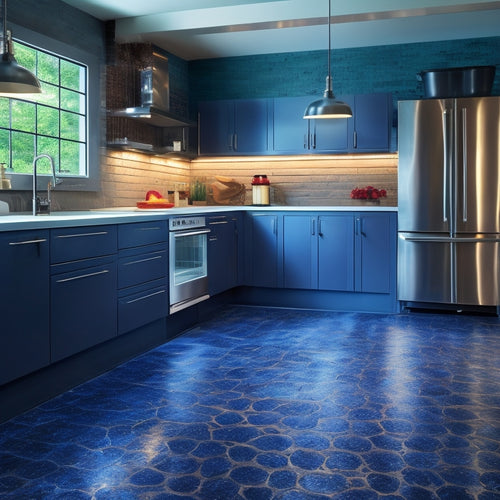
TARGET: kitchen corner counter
(119,215)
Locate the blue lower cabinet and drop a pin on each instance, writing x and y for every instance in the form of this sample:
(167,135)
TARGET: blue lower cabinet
(222,253)
(345,252)
(24,299)
(143,264)
(375,252)
(142,304)
(300,252)
(83,306)
(336,257)
(262,249)
(142,274)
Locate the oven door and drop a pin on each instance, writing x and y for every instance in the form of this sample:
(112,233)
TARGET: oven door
(188,268)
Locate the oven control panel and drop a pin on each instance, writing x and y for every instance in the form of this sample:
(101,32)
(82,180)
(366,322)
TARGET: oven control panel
(179,223)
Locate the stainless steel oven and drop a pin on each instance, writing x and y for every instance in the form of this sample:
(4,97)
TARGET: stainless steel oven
(188,261)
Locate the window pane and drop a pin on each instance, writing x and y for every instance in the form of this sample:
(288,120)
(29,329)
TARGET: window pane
(72,126)
(48,121)
(49,95)
(72,158)
(23,152)
(25,56)
(4,112)
(23,116)
(55,124)
(4,148)
(72,76)
(72,101)
(48,68)
(47,146)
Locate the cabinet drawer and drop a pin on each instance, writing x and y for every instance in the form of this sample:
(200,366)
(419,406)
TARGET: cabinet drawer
(83,309)
(140,266)
(67,244)
(142,305)
(142,233)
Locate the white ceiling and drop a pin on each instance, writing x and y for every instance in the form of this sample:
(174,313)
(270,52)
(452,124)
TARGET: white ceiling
(200,29)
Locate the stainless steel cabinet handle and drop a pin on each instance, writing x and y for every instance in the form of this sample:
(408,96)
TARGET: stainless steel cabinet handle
(217,222)
(320,232)
(99,233)
(155,228)
(143,260)
(145,296)
(313,226)
(445,165)
(81,276)
(355,139)
(448,239)
(235,142)
(27,242)
(464,164)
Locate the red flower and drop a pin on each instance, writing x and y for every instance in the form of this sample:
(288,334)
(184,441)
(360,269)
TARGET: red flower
(368,193)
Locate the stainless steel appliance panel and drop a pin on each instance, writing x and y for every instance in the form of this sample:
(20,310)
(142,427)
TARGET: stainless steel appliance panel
(425,268)
(424,176)
(477,165)
(478,270)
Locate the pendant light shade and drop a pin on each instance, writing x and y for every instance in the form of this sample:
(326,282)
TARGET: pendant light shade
(14,79)
(328,106)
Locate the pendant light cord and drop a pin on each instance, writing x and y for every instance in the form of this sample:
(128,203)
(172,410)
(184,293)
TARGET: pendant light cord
(5,48)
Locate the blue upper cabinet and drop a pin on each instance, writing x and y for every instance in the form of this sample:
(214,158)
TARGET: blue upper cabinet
(234,127)
(294,135)
(370,126)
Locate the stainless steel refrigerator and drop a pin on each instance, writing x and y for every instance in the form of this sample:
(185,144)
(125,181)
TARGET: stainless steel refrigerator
(449,201)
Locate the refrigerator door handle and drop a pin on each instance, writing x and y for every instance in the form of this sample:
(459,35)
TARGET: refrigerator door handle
(450,239)
(464,164)
(445,165)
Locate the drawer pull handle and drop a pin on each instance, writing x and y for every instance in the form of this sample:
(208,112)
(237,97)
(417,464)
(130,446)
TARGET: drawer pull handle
(82,234)
(27,242)
(145,297)
(156,228)
(142,260)
(82,276)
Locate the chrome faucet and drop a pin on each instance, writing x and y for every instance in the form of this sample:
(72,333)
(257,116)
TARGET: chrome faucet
(42,206)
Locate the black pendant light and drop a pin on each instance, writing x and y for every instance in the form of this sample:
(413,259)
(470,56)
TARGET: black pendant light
(14,79)
(328,106)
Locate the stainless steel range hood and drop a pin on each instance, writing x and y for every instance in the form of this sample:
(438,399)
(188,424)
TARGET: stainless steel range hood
(154,107)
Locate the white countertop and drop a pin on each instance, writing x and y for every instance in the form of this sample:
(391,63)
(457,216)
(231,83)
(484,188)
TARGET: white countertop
(120,215)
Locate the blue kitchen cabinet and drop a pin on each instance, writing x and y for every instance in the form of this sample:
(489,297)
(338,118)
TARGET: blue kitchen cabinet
(300,251)
(336,256)
(375,242)
(262,249)
(222,253)
(294,135)
(142,274)
(83,292)
(24,299)
(370,126)
(234,127)
(345,252)
(369,129)
(318,252)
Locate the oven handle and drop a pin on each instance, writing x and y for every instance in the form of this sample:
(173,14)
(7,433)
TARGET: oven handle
(191,233)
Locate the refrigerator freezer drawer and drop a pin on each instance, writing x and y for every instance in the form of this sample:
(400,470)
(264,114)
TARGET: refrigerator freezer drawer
(441,269)
(477,273)
(424,270)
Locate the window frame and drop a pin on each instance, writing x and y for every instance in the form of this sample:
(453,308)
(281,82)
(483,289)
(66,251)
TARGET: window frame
(90,182)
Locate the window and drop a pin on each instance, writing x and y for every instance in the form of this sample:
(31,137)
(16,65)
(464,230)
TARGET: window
(56,124)
(65,122)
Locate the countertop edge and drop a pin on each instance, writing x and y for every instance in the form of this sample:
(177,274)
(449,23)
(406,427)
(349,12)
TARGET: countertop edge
(123,215)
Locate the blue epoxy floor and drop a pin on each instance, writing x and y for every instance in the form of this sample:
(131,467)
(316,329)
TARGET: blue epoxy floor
(262,403)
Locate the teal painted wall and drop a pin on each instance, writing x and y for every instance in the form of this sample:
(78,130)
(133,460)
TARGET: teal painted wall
(355,71)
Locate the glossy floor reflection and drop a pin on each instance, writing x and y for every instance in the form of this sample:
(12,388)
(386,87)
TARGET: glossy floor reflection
(262,403)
